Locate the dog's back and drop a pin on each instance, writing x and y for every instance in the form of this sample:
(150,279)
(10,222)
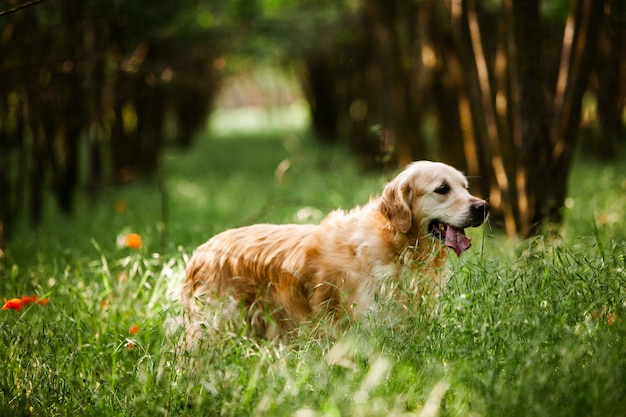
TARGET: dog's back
(258,267)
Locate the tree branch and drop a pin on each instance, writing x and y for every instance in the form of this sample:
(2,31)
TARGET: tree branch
(20,7)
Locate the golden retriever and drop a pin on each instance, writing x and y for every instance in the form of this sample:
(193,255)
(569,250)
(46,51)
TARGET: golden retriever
(274,276)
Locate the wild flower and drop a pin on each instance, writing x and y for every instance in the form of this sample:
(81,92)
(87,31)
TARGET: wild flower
(121,206)
(133,240)
(134,329)
(12,304)
(18,303)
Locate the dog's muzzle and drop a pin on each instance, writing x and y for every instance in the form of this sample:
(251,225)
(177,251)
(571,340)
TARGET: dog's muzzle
(454,236)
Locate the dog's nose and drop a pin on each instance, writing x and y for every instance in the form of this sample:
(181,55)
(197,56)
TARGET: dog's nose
(478,212)
(481,205)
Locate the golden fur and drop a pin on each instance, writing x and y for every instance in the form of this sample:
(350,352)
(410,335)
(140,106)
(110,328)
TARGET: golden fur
(279,275)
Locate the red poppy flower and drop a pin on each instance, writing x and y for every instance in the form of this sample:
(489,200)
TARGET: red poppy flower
(29,299)
(18,303)
(13,304)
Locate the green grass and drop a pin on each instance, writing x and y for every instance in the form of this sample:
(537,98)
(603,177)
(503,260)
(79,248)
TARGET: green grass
(524,328)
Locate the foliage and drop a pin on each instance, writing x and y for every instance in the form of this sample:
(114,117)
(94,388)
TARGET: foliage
(523,327)
(114,80)
(500,83)
(459,81)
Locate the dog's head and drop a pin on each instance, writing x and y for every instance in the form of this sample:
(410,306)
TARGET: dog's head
(432,198)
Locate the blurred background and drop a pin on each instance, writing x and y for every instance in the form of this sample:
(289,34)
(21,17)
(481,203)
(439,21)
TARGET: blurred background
(92,93)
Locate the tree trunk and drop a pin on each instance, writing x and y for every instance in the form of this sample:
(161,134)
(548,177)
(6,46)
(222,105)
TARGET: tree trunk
(529,111)
(320,87)
(588,15)
(398,57)
(544,133)
(611,85)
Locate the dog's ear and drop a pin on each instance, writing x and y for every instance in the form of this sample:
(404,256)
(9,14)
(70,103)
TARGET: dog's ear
(395,205)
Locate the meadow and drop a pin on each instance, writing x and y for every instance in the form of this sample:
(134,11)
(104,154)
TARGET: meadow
(524,327)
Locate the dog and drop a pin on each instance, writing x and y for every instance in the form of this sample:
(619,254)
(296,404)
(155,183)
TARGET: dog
(276,276)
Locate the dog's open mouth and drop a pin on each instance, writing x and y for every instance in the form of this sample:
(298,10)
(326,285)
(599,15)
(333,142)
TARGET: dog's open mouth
(453,237)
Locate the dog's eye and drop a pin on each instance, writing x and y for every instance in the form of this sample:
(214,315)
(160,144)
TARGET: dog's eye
(443,189)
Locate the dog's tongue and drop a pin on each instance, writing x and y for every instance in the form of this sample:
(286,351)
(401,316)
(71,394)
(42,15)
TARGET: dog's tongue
(456,239)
